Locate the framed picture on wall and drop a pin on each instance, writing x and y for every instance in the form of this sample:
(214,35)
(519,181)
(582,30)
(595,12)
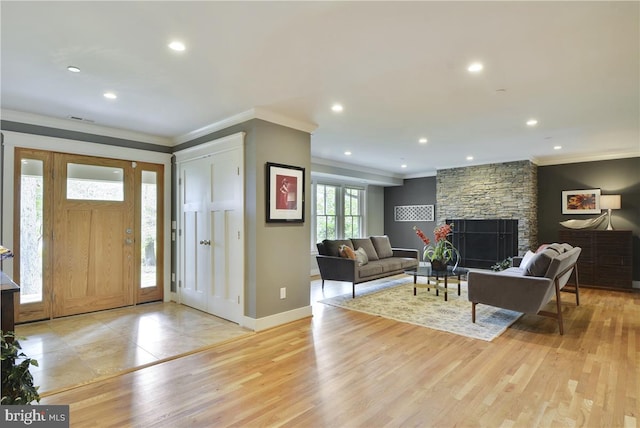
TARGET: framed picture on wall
(285,193)
(581,201)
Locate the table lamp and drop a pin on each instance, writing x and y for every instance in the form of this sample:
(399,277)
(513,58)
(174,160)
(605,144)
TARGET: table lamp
(610,202)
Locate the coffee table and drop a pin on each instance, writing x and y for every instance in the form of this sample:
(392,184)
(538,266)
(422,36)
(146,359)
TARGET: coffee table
(442,278)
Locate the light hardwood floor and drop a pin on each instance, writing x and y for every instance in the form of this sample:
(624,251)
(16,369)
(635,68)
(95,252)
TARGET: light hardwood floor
(347,369)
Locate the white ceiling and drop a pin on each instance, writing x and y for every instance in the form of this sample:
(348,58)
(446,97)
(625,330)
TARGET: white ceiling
(399,69)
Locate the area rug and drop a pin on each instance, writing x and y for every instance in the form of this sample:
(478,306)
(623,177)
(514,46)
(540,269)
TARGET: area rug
(395,300)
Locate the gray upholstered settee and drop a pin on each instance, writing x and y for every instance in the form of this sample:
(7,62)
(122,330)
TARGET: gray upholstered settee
(530,287)
(381,260)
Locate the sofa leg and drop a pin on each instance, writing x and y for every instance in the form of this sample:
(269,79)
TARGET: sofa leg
(323,285)
(473,312)
(577,287)
(559,309)
(353,293)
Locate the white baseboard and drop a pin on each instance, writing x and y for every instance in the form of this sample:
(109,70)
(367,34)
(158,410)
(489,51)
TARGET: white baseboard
(277,319)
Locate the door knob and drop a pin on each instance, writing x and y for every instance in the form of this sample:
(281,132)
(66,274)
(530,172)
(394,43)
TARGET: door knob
(205,242)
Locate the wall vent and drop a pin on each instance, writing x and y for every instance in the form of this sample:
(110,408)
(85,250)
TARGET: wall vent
(413,213)
(80,119)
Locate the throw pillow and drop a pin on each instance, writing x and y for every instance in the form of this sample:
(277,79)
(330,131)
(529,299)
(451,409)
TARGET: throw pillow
(539,263)
(347,252)
(382,246)
(367,245)
(541,248)
(361,256)
(557,247)
(332,246)
(526,259)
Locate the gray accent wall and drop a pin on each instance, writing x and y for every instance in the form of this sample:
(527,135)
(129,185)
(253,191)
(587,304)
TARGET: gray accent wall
(614,177)
(278,253)
(415,191)
(375,214)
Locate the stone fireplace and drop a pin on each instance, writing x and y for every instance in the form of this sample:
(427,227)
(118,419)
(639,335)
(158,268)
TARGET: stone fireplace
(489,192)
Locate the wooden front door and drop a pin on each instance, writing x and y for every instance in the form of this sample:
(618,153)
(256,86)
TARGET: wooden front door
(93,234)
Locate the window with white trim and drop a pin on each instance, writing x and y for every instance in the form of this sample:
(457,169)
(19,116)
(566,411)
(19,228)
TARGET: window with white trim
(338,213)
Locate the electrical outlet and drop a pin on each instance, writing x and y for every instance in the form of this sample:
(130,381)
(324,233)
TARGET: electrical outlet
(283,293)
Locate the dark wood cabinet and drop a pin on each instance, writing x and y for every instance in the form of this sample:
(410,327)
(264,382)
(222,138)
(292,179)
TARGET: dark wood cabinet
(605,260)
(9,289)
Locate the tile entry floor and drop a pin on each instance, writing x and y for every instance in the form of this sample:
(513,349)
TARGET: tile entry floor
(82,348)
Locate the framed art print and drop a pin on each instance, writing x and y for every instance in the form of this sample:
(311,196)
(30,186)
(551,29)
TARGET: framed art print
(285,193)
(581,201)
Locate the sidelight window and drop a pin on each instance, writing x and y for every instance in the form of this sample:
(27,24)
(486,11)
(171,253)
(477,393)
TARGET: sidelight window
(149,229)
(31,230)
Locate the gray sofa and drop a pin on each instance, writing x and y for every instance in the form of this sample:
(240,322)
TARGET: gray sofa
(528,288)
(381,260)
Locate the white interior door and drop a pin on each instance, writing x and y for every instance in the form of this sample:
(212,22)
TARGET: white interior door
(196,254)
(212,222)
(226,222)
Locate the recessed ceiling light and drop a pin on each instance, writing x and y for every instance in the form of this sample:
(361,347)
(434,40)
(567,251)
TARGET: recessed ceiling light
(532,122)
(404,165)
(422,141)
(177,46)
(110,95)
(347,153)
(475,67)
(557,147)
(469,158)
(73,69)
(337,108)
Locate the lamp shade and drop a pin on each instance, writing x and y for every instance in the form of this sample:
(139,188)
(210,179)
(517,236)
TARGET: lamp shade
(610,202)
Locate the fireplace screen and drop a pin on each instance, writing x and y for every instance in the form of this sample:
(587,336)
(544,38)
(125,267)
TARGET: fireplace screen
(482,243)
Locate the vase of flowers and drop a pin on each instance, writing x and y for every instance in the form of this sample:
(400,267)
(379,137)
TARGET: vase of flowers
(443,251)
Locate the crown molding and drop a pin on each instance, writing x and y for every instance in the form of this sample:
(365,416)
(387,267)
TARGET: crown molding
(558,160)
(345,172)
(279,119)
(427,173)
(88,128)
(354,167)
(254,113)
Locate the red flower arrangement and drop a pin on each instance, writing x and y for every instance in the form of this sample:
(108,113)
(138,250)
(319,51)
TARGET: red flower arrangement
(443,250)
(421,235)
